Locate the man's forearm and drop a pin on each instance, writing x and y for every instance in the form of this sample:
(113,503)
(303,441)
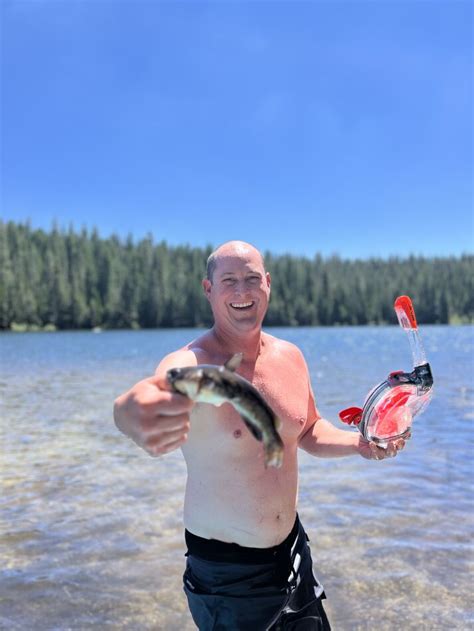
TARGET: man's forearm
(326,441)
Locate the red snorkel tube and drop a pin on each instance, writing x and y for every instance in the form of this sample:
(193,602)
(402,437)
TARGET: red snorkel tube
(390,407)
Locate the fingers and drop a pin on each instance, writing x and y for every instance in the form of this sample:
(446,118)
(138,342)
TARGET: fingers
(163,444)
(163,433)
(156,419)
(390,451)
(163,424)
(161,382)
(377,453)
(170,403)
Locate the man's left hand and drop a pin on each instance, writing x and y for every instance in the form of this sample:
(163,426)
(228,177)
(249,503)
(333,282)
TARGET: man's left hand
(370,451)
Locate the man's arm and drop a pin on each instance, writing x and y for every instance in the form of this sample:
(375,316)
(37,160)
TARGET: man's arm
(321,438)
(326,441)
(156,419)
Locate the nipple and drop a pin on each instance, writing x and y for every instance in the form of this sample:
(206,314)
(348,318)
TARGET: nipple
(237,433)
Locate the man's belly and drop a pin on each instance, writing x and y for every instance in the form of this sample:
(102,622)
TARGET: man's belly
(248,505)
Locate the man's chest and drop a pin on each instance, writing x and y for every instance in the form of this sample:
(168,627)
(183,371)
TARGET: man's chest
(286,392)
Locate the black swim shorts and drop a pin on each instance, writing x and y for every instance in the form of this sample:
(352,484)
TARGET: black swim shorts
(235,588)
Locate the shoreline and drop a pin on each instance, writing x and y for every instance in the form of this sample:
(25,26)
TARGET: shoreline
(50,328)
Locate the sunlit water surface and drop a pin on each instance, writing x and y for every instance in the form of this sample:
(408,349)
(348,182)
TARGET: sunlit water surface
(91,527)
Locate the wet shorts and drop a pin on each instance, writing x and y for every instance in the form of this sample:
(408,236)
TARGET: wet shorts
(235,588)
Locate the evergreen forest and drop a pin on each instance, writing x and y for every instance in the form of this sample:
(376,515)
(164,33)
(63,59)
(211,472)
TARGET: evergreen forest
(67,279)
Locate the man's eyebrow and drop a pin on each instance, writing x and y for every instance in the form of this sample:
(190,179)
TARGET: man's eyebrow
(248,273)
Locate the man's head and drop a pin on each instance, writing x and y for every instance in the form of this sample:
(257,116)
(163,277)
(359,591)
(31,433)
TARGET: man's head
(230,248)
(237,285)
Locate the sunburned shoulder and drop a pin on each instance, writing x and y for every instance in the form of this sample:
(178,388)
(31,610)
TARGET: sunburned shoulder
(284,349)
(189,355)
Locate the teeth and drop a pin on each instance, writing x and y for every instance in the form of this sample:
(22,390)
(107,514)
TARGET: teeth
(241,305)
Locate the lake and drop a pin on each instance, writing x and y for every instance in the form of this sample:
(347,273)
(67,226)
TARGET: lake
(91,527)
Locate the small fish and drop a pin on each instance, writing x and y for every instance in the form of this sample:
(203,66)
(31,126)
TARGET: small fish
(207,383)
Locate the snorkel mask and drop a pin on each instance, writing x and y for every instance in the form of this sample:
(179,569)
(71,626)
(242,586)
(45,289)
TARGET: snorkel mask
(390,407)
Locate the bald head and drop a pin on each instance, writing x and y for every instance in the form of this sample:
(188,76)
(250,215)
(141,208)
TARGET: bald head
(230,249)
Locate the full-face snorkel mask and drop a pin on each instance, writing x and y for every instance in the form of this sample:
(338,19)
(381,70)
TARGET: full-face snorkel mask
(390,407)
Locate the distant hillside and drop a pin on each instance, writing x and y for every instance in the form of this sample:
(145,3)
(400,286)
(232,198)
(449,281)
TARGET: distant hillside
(72,280)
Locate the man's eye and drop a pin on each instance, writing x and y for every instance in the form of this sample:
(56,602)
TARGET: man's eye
(229,281)
(254,279)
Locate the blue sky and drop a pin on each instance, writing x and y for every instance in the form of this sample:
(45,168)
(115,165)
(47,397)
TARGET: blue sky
(302,127)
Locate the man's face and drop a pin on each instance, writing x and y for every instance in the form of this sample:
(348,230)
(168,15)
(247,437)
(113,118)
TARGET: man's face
(239,291)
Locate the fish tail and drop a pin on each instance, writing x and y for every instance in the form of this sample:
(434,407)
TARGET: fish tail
(273,453)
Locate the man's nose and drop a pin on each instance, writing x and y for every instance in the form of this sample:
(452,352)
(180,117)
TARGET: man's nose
(240,287)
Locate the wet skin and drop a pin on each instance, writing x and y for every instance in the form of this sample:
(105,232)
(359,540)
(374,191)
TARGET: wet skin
(229,494)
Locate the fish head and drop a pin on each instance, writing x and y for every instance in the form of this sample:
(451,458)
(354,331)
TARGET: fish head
(186,381)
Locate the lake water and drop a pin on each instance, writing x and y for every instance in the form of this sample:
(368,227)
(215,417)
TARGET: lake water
(91,527)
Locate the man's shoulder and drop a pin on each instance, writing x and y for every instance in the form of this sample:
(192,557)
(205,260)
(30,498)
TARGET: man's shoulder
(284,347)
(176,359)
(191,354)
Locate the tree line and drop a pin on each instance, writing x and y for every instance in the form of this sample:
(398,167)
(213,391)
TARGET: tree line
(76,279)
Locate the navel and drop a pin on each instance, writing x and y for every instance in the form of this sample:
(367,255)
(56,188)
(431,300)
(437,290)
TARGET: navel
(237,433)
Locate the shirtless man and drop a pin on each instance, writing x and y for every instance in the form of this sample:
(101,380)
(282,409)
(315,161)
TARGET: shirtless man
(248,563)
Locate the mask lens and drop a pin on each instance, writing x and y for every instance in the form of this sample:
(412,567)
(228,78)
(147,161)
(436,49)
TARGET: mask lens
(393,412)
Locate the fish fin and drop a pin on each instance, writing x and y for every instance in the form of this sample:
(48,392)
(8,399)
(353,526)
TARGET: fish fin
(234,362)
(254,430)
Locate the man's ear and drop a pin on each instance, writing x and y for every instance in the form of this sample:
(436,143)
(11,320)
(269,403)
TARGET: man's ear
(206,285)
(268,279)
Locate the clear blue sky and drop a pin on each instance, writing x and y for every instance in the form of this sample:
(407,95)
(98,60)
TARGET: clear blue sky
(303,127)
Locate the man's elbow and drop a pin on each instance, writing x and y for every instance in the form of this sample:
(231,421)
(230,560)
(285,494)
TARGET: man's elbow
(307,436)
(117,412)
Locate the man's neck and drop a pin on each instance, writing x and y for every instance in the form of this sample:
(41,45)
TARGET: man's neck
(250,344)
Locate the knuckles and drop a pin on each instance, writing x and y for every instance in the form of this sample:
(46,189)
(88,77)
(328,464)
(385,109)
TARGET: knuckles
(155,450)
(151,445)
(144,418)
(137,415)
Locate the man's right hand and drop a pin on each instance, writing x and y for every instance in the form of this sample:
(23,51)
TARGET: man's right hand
(156,419)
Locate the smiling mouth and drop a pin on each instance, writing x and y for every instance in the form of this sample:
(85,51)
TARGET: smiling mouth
(242,305)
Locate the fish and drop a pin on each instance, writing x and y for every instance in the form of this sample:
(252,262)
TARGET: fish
(208,383)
